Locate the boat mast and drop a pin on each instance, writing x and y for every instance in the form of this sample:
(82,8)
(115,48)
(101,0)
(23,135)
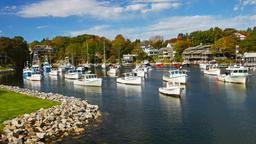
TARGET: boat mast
(104,52)
(87,52)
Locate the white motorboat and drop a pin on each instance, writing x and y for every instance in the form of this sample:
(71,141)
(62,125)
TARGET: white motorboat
(177,76)
(89,80)
(140,71)
(26,73)
(235,74)
(72,74)
(203,66)
(130,78)
(113,70)
(212,70)
(53,72)
(46,66)
(171,89)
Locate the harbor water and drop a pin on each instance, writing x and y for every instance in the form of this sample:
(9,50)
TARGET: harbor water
(209,111)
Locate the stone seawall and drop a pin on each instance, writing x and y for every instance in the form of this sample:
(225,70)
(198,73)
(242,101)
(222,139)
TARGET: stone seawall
(47,125)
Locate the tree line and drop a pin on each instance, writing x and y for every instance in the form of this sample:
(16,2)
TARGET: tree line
(15,51)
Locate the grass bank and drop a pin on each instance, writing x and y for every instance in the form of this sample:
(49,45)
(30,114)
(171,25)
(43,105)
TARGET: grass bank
(3,68)
(13,104)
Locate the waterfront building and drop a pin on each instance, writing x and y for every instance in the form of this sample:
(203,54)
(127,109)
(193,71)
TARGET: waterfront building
(166,52)
(249,59)
(149,50)
(198,54)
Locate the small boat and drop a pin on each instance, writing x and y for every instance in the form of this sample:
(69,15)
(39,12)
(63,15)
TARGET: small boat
(72,74)
(177,76)
(235,74)
(140,71)
(171,89)
(159,65)
(89,80)
(113,70)
(36,74)
(26,71)
(176,65)
(212,70)
(130,78)
(203,66)
(53,72)
(46,66)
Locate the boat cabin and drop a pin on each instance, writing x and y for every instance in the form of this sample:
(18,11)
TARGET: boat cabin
(90,76)
(236,70)
(177,72)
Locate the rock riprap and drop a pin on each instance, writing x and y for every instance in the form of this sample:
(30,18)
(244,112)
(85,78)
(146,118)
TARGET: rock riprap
(45,125)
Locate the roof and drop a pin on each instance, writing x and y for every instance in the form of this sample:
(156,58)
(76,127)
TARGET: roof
(200,49)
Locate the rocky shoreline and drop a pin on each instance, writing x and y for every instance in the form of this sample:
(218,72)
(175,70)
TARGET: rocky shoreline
(48,125)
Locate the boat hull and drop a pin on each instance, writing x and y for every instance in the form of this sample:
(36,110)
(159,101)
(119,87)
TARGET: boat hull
(177,79)
(72,76)
(130,81)
(232,79)
(96,82)
(171,91)
(212,72)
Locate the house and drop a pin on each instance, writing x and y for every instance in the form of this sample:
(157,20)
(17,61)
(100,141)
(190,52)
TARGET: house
(249,59)
(166,52)
(240,36)
(149,50)
(198,54)
(128,58)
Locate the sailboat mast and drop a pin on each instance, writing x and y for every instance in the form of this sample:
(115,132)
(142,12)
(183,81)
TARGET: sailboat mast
(87,52)
(104,52)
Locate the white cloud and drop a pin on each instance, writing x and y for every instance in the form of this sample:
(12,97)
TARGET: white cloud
(170,27)
(243,3)
(42,26)
(94,8)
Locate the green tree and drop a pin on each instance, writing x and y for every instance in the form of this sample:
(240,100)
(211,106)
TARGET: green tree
(226,45)
(249,44)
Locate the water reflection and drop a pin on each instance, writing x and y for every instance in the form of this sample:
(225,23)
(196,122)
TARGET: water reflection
(172,106)
(88,89)
(32,84)
(128,90)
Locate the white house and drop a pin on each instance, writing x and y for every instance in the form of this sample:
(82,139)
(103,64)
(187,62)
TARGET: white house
(149,50)
(240,36)
(250,59)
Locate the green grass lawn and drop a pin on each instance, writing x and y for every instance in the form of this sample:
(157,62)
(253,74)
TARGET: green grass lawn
(13,104)
(3,68)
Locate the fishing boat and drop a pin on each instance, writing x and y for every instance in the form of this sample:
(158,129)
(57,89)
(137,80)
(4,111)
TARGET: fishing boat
(89,80)
(72,74)
(26,73)
(130,78)
(36,74)
(140,70)
(234,74)
(212,70)
(177,76)
(53,72)
(171,89)
(36,70)
(46,66)
(114,70)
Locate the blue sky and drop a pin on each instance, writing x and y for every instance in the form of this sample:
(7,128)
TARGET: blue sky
(38,19)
